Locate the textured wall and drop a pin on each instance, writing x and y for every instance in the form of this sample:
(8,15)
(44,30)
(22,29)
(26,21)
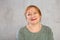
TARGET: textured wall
(12,16)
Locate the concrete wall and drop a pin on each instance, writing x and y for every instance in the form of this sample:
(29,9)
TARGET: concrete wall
(12,16)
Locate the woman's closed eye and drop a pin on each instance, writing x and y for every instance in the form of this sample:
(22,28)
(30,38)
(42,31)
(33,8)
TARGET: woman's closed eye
(35,13)
(28,14)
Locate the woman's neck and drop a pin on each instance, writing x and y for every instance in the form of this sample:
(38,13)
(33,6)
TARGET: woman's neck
(34,28)
(34,25)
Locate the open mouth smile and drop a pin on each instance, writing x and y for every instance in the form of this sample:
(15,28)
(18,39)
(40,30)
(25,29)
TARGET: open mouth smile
(34,19)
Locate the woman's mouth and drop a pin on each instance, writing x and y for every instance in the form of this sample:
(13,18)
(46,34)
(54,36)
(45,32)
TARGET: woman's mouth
(33,19)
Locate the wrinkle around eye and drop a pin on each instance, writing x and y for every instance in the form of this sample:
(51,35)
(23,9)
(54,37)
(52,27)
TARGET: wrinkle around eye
(35,13)
(28,14)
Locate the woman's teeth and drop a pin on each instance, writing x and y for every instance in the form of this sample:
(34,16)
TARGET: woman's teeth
(33,19)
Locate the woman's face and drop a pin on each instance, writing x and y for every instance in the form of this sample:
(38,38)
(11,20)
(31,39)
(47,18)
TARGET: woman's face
(33,16)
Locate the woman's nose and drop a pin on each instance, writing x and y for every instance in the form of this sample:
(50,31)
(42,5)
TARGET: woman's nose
(32,15)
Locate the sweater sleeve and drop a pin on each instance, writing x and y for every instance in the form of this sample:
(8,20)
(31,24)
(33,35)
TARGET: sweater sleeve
(20,35)
(50,35)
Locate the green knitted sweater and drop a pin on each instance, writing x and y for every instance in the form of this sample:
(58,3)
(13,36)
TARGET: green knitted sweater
(44,34)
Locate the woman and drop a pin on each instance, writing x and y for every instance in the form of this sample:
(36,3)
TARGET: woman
(34,30)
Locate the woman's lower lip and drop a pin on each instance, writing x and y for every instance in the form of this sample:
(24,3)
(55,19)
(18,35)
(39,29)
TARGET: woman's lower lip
(33,19)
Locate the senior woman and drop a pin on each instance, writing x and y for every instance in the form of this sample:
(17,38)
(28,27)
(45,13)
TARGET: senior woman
(34,30)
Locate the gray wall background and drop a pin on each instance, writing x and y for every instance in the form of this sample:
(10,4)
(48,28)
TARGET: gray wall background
(12,16)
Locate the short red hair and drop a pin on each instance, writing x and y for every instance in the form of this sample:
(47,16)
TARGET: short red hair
(35,8)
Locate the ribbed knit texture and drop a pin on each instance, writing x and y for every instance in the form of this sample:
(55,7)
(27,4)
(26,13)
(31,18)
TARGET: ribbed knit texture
(44,34)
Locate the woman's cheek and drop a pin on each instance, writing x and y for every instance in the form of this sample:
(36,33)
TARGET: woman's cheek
(28,18)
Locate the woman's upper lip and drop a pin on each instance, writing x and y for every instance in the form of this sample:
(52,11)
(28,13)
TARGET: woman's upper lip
(33,19)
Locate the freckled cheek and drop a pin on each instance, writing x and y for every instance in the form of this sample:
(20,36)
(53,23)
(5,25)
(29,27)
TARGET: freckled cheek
(37,16)
(28,18)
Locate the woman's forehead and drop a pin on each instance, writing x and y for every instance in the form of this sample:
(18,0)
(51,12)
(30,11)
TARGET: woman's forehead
(31,9)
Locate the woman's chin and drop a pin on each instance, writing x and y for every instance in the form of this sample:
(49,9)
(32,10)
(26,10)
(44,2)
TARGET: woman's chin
(33,23)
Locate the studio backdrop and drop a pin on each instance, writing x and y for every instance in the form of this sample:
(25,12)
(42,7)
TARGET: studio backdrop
(12,16)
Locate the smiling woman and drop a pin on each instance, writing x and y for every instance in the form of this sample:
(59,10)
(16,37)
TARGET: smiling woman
(34,30)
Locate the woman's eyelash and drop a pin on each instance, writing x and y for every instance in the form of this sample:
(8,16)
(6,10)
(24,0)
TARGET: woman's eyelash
(29,14)
(34,12)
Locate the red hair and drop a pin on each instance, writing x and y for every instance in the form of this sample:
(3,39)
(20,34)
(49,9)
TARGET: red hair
(35,8)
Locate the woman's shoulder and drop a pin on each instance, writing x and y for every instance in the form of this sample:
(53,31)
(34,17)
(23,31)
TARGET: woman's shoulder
(47,28)
(22,29)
